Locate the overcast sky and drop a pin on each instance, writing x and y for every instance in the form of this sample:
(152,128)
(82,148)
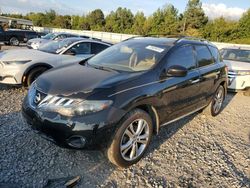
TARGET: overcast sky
(232,9)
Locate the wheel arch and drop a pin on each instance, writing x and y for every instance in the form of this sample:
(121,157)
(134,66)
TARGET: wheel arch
(27,71)
(224,84)
(153,114)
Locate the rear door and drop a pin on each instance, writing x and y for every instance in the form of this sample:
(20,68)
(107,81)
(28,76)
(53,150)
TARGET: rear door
(97,48)
(209,72)
(180,94)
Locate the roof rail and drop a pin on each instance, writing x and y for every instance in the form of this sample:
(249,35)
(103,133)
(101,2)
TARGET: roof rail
(192,38)
(163,35)
(179,37)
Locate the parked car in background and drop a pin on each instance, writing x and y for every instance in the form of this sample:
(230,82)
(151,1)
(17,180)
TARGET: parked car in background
(23,66)
(238,62)
(15,36)
(121,96)
(38,42)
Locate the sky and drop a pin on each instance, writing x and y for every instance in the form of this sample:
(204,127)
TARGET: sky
(232,9)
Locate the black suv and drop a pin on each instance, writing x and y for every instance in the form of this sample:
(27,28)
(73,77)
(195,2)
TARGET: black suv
(123,95)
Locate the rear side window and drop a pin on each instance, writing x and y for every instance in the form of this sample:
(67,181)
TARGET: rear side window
(96,48)
(216,54)
(204,56)
(182,56)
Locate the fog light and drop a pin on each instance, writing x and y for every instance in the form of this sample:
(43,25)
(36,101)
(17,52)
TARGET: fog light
(76,141)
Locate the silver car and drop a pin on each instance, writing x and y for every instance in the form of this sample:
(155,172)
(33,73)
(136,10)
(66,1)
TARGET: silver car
(38,42)
(23,66)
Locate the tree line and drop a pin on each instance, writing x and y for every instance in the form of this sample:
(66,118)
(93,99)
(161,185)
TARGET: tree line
(166,20)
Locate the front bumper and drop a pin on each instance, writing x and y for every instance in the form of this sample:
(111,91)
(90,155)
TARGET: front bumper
(10,74)
(238,82)
(32,45)
(95,129)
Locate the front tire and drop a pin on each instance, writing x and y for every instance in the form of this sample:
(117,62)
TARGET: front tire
(215,106)
(14,41)
(132,139)
(34,73)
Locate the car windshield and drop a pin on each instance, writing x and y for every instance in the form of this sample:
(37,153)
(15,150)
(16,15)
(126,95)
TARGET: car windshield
(132,56)
(49,36)
(56,47)
(236,55)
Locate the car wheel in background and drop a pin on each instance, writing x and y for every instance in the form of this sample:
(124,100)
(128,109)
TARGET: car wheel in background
(14,41)
(131,139)
(33,74)
(215,106)
(247,92)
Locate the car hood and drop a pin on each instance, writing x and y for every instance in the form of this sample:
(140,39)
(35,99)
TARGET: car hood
(237,65)
(74,79)
(38,40)
(24,54)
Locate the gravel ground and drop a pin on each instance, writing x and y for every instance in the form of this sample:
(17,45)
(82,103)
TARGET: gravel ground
(197,151)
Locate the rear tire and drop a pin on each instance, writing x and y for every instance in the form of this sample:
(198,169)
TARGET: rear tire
(247,92)
(132,139)
(216,104)
(14,41)
(34,73)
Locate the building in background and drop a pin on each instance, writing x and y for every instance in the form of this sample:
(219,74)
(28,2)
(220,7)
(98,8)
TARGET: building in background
(15,23)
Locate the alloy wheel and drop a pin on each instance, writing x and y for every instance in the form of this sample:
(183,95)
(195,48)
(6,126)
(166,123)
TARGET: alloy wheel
(14,41)
(134,140)
(218,100)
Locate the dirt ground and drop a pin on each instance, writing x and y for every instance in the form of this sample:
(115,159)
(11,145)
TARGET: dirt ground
(197,151)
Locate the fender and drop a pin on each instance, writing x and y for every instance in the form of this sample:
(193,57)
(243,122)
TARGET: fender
(26,72)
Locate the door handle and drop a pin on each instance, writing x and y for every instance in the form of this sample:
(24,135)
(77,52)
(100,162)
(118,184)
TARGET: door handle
(195,81)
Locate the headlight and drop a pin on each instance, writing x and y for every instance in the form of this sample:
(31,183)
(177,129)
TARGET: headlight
(72,107)
(16,62)
(243,72)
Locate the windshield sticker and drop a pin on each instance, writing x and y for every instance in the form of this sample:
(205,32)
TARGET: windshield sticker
(154,48)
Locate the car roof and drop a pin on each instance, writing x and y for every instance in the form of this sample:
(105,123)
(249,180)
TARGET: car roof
(154,40)
(236,48)
(60,33)
(79,39)
(171,41)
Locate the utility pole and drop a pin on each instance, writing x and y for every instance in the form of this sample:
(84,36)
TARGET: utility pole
(184,26)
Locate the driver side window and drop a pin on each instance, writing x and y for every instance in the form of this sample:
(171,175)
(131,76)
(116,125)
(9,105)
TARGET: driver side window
(182,56)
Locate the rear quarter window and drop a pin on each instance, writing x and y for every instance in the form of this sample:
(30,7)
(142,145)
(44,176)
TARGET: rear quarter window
(215,53)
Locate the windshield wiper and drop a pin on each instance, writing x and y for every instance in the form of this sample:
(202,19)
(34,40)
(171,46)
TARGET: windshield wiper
(101,67)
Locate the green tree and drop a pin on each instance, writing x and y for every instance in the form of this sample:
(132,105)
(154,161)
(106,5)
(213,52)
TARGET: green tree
(62,21)
(37,18)
(170,20)
(165,20)
(244,25)
(120,21)
(96,20)
(194,16)
(220,30)
(50,15)
(138,26)
(75,21)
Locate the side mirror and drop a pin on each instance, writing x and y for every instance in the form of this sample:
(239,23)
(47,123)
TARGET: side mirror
(176,71)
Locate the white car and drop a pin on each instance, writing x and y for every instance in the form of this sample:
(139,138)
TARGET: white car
(23,66)
(238,62)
